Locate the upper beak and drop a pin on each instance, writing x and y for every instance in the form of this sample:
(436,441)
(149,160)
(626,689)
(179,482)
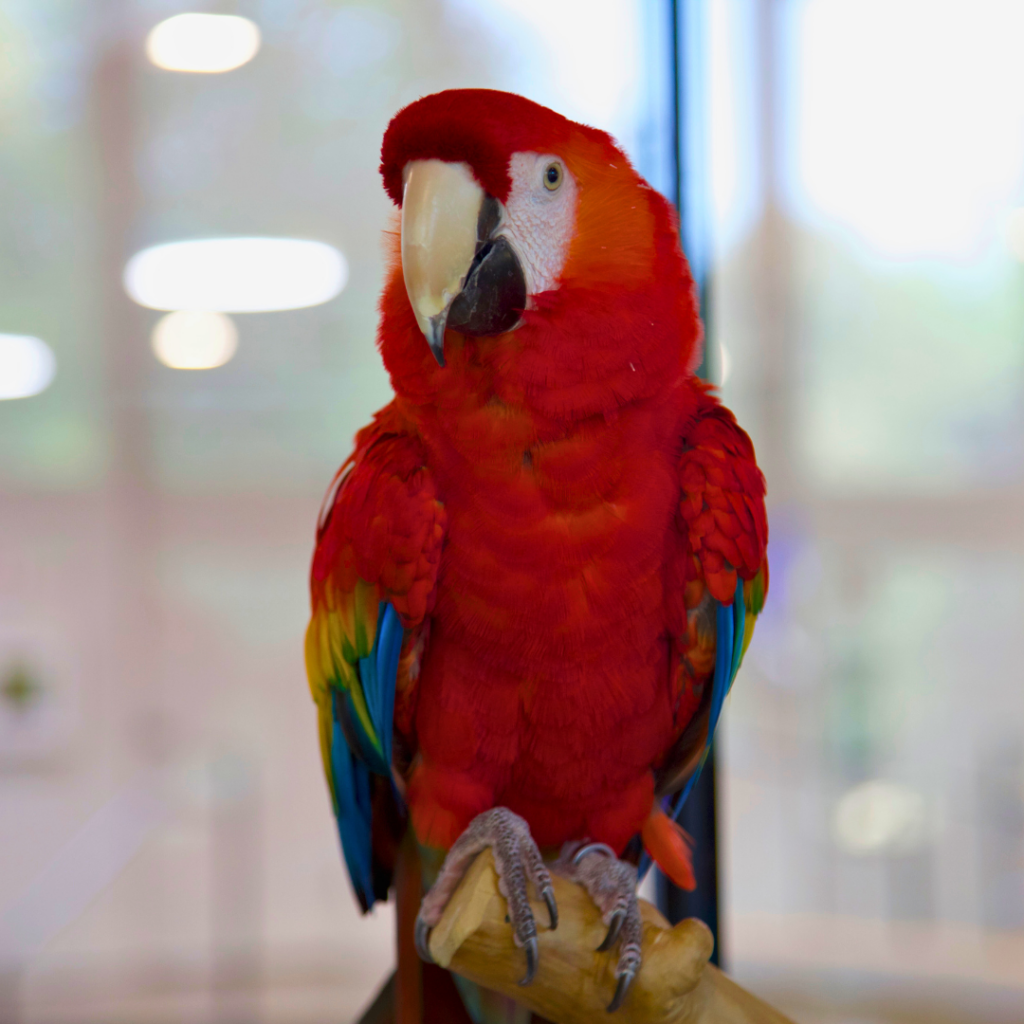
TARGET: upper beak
(457,273)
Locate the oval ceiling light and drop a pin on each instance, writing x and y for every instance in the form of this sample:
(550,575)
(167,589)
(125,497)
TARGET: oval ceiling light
(236,275)
(27,366)
(194,339)
(206,43)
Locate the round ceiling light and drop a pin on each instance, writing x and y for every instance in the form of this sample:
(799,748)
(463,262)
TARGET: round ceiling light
(207,43)
(194,339)
(27,366)
(236,275)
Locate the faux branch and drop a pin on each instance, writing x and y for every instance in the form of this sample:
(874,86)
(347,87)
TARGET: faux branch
(574,982)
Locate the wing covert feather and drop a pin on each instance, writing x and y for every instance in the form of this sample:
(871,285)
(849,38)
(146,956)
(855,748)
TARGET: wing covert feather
(720,576)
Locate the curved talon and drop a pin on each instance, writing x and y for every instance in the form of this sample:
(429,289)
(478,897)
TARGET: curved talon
(593,848)
(520,869)
(530,949)
(614,927)
(625,980)
(422,939)
(548,895)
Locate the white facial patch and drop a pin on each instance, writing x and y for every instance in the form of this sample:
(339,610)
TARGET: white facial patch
(539,219)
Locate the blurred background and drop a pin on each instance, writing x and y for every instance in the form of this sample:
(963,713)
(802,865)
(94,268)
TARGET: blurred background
(172,415)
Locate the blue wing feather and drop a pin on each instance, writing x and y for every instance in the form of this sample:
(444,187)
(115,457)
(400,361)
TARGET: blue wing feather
(722,680)
(739,614)
(354,755)
(351,788)
(389,648)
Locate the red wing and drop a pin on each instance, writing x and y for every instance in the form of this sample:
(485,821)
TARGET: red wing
(722,536)
(379,540)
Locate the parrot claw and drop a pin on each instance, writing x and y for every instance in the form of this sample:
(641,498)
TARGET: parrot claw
(548,895)
(611,884)
(625,980)
(592,848)
(530,949)
(517,862)
(422,937)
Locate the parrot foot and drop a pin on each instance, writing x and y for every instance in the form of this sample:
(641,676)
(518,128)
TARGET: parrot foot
(611,884)
(516,859)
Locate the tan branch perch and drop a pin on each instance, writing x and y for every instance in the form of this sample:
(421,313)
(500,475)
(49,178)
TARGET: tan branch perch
(574,983)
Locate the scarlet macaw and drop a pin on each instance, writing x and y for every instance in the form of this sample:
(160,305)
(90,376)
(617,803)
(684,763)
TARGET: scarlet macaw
(538,572)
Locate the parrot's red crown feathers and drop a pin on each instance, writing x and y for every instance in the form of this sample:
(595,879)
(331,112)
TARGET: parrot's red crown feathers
(480,127)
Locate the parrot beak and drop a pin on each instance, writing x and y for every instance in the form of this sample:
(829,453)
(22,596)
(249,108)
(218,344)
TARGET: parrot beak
(457,272)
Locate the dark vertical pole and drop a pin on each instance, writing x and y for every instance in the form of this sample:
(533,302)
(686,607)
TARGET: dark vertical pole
(698,816)
(677,99)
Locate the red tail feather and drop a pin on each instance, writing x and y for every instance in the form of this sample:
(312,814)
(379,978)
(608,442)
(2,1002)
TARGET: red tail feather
(670,847)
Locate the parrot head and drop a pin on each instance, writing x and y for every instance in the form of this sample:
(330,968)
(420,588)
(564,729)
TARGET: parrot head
(514,218)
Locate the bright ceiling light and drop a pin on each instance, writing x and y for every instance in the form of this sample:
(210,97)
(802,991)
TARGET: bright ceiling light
(27,366)
(194,339)
(203,42)
(236,275)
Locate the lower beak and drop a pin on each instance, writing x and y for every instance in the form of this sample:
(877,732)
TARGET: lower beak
(457,272)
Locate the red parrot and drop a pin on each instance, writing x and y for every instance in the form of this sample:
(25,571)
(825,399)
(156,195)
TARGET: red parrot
(536,575)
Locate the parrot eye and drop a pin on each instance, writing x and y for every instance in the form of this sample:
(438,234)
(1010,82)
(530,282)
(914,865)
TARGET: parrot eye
(553,175)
